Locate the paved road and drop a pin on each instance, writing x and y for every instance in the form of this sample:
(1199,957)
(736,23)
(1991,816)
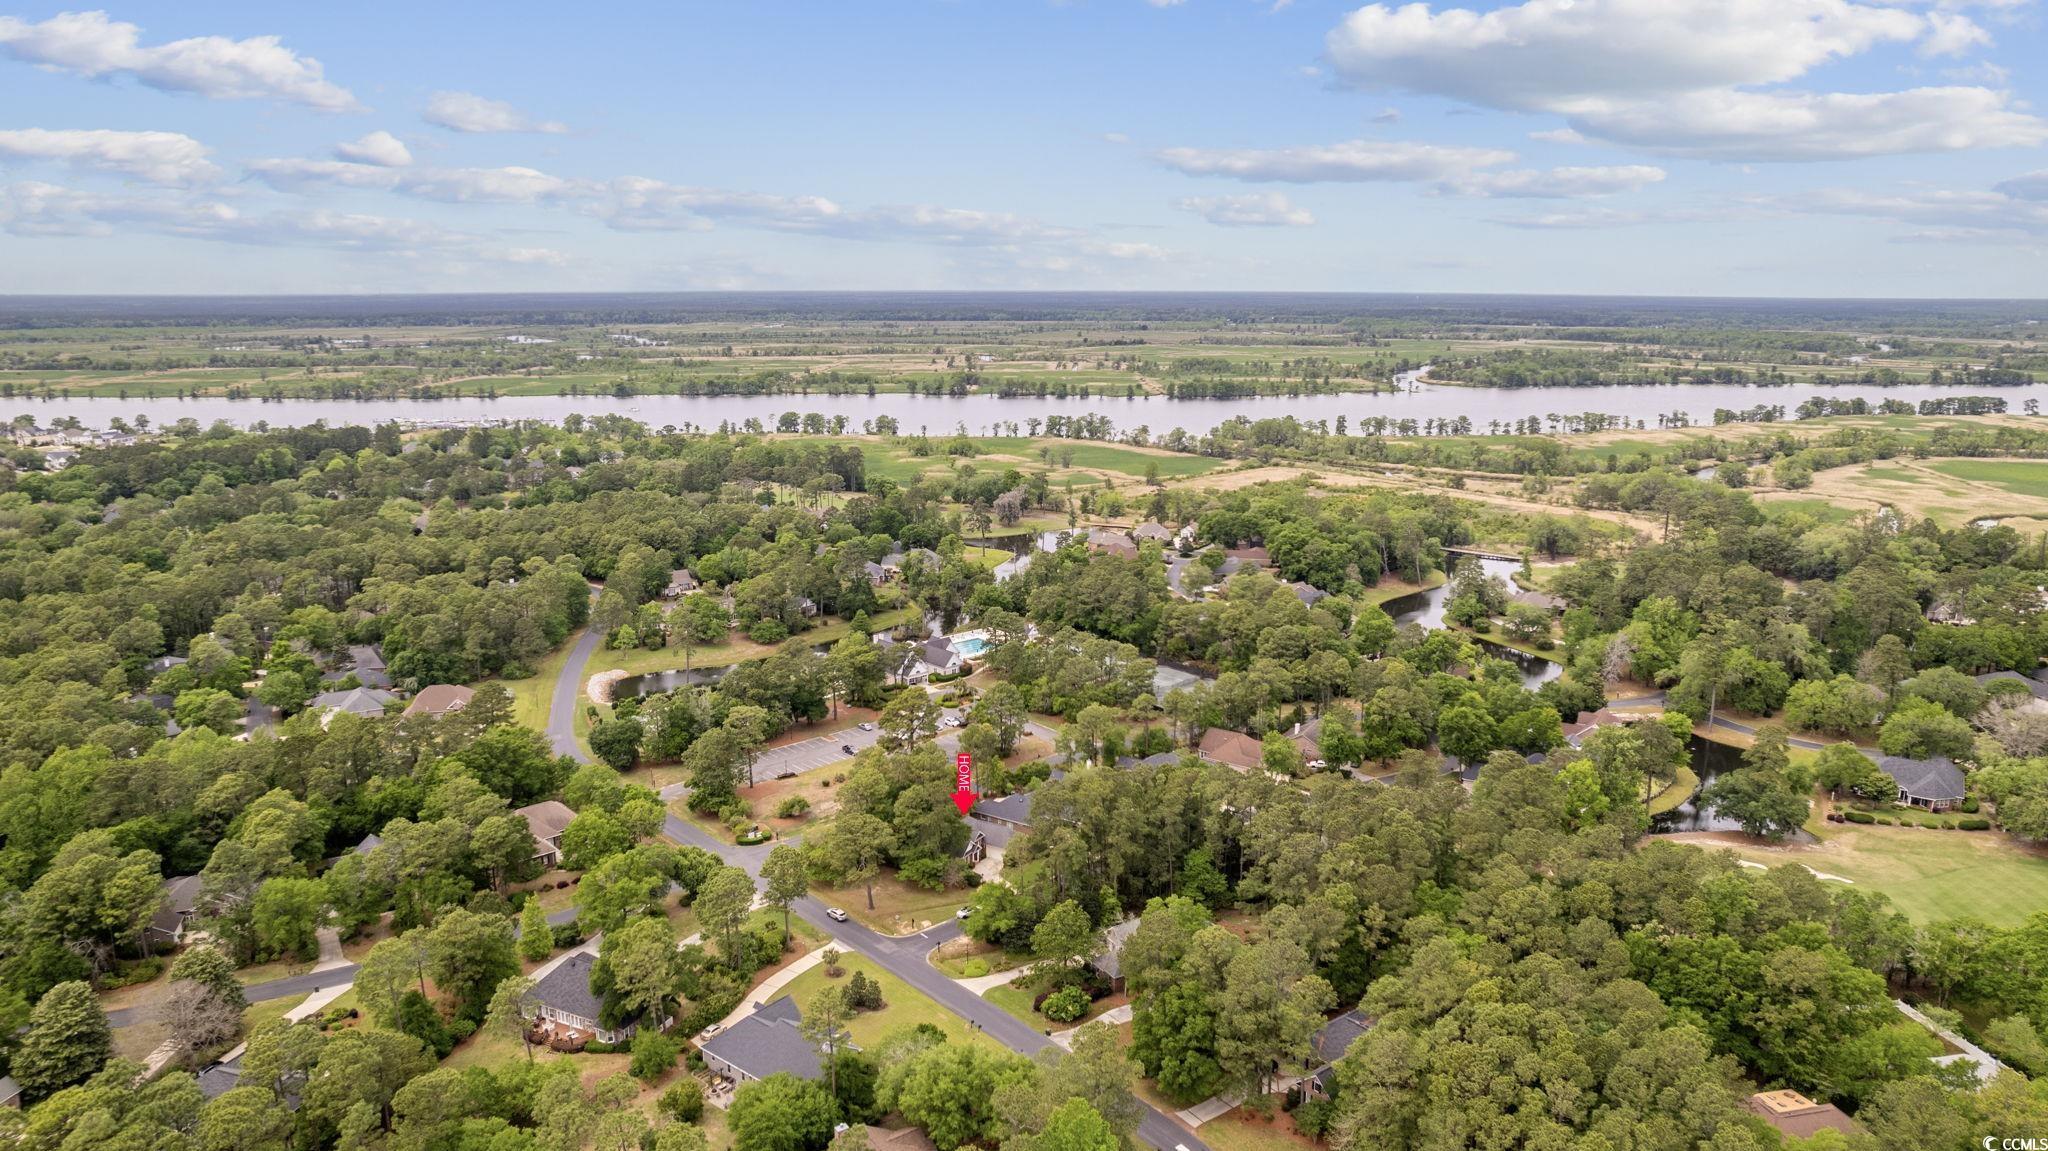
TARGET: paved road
(568,694)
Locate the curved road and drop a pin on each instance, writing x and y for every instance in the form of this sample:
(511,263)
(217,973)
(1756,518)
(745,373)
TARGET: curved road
(902,956)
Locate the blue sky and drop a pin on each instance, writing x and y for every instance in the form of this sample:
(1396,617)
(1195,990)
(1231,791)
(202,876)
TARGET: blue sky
(1713,147)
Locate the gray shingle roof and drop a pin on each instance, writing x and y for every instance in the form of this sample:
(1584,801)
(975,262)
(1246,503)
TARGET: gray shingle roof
(1937,779)
(1014,809)
(567,987)
(2037,687)
(368,701)
(1337,1036)
(181,893)
(1111,961)
(766,1042)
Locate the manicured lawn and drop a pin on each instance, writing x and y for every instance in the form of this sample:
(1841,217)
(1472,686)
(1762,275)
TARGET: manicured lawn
(2025,477)
(1820,510)
(905,1005)
(1933,875)
(1387,589)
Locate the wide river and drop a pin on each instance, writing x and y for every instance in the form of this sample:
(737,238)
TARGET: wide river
(980,414)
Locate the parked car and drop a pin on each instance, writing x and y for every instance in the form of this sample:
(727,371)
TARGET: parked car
(835,915)
(963,913)
(847,748)
(866,726)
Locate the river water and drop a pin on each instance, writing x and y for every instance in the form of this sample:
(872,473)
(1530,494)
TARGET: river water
(980,414)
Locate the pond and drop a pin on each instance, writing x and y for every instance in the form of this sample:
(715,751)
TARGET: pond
(1426,609)
(1709,761)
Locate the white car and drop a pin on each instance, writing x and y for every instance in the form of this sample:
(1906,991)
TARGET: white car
(963,913)
(866,726)
(835,915)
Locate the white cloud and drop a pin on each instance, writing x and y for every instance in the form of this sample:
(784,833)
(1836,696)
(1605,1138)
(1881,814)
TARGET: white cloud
(1935,213)
(1557,55)
(447,185)
(1352,161)
(157,157)
(1729,125)
(35,209)
(379,148)
(1554,184)
(2032,186)
(1681,76)
(1557,136)
(1257,210)
(469,112)
(1387,116)
(1165,3)
(1952,34)
(259,68)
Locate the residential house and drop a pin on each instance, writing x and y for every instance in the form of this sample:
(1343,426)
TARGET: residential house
(876,573)
(1110,963)
(364,701)
(1797,1117)
(1308,740)
(806,606)
(1588,722)
(164,663)
(1935,784)
(440,699)
(1255,556)
(767,1041)
(174,914)
(566,1013)
(1109,542)
(547,820)
(367,661)
(1308,594)
(1010,569)
(1538,599)
(680,583)
(924,558)
(1010,810)
(2035,687)
(1232,749)
(1152,531)
(1166,679)
(939,656)
(1329,1043)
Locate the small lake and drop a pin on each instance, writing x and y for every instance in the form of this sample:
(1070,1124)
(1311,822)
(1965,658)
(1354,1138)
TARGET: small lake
(1426,608)
(1709,761)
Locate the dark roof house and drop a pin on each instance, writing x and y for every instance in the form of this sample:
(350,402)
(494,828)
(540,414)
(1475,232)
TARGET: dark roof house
(1014,810)
(1935,784)
(1332,1040)
(568,1010)
(768,1041)
(440,699)
(181,895)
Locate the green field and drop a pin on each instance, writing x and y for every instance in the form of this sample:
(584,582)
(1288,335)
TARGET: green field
(1933,875)
(1821,510)
(904,1005)
(2021,477)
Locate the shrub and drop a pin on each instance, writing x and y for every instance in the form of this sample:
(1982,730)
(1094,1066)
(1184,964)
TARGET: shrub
(792,807)
(864,994)
(1974,824)
(653,1055)
(1313,1117)
(754,835)
(1065,1005)
(927,873)
(683,1101)
(974,969)
(1859,817)
(516,670)
(1970,805)
(767,631)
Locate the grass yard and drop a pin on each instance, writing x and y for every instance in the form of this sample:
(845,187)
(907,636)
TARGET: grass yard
(1016,997)
(1677,793)
(899,907)
(1932,875)
(1245,1130)
(1388,589)
(905,1006)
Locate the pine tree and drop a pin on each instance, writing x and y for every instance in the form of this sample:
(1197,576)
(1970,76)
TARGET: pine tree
(68,1040)
(536,938)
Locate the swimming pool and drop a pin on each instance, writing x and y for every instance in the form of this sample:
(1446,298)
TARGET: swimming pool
(970,646)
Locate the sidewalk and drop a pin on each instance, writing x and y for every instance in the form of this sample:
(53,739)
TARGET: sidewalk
(983,984)
(773,984)
(1987,1065)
